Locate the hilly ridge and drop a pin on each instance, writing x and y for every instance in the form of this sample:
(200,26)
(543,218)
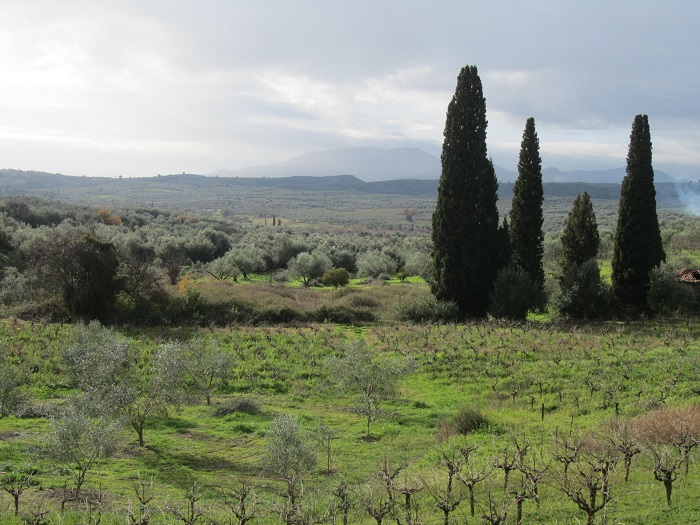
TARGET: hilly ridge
(375,165)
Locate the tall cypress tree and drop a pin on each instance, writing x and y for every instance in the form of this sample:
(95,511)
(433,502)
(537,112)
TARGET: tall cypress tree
(637,247)
(526,237)
(465,221)
(580,239)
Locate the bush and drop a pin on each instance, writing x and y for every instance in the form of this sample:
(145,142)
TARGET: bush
(470,420)
(244,405)
(343,315)
(15,287)
(582,294)
(667,295)
(514,294)
(336,277)
(427,311)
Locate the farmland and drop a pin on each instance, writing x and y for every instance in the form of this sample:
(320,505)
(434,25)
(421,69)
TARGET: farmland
(184,399)
(544,387)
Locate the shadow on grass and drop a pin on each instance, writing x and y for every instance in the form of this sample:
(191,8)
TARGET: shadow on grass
(182,468)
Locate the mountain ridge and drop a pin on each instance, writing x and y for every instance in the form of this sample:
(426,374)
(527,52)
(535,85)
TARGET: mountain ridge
(381,165)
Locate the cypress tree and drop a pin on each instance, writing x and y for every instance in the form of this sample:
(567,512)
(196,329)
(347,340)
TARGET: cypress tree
(526,237)
(580,239)
(465,221)
(637,248)
(582,294)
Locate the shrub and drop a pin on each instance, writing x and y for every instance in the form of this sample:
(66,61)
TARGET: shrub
(342,315)
(582,294)
(427,311)
(15,287)
(470,420)
(667,295)
(336,277)
(514,293)
(374,263)
(244,405)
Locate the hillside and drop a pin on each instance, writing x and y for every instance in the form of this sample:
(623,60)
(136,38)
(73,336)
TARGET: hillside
(374,165)
(341,200)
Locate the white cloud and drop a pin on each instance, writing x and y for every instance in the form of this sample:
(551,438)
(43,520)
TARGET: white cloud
(234,83)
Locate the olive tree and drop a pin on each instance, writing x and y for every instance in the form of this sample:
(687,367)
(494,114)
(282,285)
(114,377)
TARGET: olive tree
(78,439)
(308,266)
(16,479)
(10,385)
(223,268)
(157,389)
(372,377)
(208,366)
(102,363)
(373,263)
(289,456)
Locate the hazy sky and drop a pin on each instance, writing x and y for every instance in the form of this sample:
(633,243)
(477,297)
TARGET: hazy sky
(143,87)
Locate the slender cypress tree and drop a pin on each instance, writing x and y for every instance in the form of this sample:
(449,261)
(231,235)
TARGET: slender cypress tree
(526,237)
(465,221)
(637,247)
(580,239)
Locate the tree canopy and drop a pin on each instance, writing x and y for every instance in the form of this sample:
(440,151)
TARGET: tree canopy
(637,248)
(580,239)
(465,221)
(526,219)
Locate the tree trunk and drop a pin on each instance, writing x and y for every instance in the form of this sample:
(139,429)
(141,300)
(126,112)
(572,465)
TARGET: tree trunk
(471,500)
(668,485)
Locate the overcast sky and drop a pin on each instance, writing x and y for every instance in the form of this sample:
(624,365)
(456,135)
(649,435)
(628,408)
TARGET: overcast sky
(137,88)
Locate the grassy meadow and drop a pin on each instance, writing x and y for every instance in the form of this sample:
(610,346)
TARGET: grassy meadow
(539,386)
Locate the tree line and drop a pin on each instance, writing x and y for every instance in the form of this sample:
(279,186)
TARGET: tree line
(482,266)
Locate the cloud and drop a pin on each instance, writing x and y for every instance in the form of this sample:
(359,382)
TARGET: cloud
(236,83)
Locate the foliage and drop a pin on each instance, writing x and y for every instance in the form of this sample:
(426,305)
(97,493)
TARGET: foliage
(427,310)
(98,360)
(465,221)
(82,267)
(160,388)
(208,366)
(78,440)
(514,294)
(10,384)
(419,263)
(580,239)
(101,363)
(224,268)
(469,420)
(525,228)
(668,296)
(306,267)
(582,294)
(245,405)
(638,246)
(336,277)
(15,287)
(374,263)
(290,455)
(373,378)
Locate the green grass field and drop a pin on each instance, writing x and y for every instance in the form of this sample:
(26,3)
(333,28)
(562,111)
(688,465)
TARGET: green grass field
(538,384)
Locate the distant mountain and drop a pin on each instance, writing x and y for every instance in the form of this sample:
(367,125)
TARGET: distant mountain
(613,176)
(374,164)
(368,164)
